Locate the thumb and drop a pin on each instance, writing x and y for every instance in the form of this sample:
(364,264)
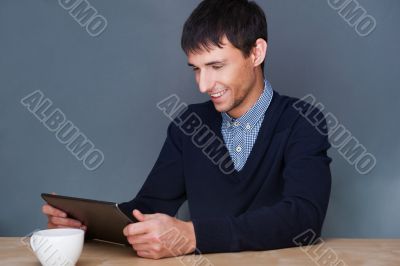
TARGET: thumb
(138,215)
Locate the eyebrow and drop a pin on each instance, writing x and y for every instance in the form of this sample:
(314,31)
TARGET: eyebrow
(210,63)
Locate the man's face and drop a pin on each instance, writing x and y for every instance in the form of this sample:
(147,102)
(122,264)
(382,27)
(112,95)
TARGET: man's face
(226,76)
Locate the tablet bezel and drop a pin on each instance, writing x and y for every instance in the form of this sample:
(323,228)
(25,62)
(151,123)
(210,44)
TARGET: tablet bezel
(104,220)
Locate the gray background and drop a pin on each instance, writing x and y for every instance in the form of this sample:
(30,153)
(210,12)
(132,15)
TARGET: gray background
(109,86)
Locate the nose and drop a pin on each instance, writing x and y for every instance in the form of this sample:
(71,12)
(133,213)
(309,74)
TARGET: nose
(205,81)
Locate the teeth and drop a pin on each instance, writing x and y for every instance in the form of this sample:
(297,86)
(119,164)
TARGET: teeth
(218,94)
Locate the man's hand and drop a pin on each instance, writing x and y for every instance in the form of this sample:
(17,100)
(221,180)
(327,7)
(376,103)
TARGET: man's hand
(59,219)
(159,235)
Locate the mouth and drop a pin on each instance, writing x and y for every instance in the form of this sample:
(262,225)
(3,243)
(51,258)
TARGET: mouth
(216,95)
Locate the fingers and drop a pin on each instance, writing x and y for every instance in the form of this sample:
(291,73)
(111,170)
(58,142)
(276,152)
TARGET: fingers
(136,240)
(144,254)
(144,238)
(52,226)
(51,211)
(56,222)
(141,247)
(138,215)
(67,222)
(58,218)
(144,217)
(149,254)
(156,248)
(136,229)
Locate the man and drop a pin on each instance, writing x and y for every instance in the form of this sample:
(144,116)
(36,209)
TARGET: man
(255,172)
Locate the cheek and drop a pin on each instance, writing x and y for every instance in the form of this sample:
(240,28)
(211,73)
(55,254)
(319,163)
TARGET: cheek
(231,77)
(242,83)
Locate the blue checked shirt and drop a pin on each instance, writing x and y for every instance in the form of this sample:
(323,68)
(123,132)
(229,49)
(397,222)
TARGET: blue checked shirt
(241,133)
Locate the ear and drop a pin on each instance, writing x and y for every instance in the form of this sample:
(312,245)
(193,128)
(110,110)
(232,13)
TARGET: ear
(259,51)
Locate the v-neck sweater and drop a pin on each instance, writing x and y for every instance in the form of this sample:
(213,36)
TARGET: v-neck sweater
(281,192)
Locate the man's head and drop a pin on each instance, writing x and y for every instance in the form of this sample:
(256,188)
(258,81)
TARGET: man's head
(226,43)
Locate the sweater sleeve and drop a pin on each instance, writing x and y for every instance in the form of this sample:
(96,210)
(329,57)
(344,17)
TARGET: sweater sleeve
(164,188)
(307,181)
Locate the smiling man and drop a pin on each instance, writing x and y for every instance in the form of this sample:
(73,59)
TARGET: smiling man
(228,74)
(280,182)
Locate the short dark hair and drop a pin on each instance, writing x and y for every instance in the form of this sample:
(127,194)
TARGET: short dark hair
(241,21)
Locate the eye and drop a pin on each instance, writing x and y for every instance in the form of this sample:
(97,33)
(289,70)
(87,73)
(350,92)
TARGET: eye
(195,69)
(216,67)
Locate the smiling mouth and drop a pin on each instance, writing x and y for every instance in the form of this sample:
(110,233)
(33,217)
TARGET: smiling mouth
(217,94)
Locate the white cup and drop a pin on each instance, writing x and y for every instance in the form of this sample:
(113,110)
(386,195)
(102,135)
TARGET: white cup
(61,246)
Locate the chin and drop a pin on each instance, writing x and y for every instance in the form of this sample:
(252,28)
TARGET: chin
(222,108)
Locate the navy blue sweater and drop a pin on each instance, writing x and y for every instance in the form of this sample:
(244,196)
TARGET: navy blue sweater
(282,191)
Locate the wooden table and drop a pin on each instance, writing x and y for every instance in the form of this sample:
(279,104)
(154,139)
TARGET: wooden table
(374,252)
